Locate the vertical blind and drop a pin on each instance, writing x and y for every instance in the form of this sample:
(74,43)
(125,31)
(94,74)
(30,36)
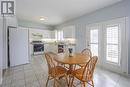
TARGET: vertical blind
(113,44)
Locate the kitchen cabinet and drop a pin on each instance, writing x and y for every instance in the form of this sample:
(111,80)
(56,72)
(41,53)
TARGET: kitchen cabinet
(38,34)
(46,34)
(69,32)
(51,48)
(35,34)
(53,34)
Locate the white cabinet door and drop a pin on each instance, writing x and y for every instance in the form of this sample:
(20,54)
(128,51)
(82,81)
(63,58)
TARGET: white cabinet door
(50,48)
(35,34)
(38,34)
(69,32)
(46,34)
(53,34)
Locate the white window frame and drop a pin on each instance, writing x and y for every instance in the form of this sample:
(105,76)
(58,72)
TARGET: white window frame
(119,45)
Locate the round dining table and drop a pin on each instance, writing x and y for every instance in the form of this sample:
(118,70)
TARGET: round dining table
(76,58)
(72,61)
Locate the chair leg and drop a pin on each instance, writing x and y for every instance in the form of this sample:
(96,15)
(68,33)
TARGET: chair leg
(84,84)
(66,80)
(54,82)
(71,84)
(92,83)
(81,84)
(47,81)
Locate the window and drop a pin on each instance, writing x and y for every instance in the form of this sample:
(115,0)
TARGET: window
(59,35)
(94,41)
(113,44)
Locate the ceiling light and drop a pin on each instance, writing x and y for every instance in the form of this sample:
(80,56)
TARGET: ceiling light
(42,18)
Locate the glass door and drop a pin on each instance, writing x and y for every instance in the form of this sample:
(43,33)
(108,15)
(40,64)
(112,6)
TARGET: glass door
(94,40)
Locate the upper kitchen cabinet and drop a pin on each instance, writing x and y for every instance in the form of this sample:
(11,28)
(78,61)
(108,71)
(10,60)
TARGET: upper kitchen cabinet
(53,34)
(38,34)
(35,34)
(69,32)
(46,34)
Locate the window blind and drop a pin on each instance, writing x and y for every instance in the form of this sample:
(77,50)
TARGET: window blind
(113,44)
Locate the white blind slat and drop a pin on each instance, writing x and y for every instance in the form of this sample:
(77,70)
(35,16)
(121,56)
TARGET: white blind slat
(112,44)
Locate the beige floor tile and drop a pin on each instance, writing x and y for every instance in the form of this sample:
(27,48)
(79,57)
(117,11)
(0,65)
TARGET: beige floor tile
(6,81)
(7,85)
(33,84)
(30,79)
(18,83)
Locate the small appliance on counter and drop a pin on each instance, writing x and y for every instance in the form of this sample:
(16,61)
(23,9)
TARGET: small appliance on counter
(70,52)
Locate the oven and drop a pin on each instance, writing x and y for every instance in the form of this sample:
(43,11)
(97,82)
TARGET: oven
(60,48)
(38,47)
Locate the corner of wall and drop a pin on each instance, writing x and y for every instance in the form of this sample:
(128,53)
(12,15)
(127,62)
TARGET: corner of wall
(0,81)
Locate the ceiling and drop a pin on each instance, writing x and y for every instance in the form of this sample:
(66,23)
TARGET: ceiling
(57,11)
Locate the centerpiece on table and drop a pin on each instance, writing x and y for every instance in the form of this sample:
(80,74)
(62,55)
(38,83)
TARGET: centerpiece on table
(70,52)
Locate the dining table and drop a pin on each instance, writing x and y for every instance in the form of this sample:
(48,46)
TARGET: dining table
(72,61)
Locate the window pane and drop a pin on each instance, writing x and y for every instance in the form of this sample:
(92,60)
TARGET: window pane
(112,49)
(94,49)
(112,35)
(60,35)
(94,36)
(112,53)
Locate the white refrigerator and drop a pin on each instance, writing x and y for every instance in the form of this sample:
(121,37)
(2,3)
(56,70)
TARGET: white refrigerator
(18,46)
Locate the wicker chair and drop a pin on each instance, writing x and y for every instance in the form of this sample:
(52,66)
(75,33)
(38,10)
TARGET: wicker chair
(54,71)
(85,74)
(86,51)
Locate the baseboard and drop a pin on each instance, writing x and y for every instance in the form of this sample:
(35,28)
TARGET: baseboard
(120,73)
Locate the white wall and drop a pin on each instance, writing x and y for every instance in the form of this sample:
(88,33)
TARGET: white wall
(120,9)
(1,48)
(8,21)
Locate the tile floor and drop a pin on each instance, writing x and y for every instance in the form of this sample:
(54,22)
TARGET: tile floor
(35,75)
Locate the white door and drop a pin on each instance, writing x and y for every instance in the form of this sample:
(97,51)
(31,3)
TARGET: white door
(93,39)
(18,43)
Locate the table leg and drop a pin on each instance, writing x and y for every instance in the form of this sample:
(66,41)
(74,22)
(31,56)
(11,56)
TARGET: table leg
(69,73)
